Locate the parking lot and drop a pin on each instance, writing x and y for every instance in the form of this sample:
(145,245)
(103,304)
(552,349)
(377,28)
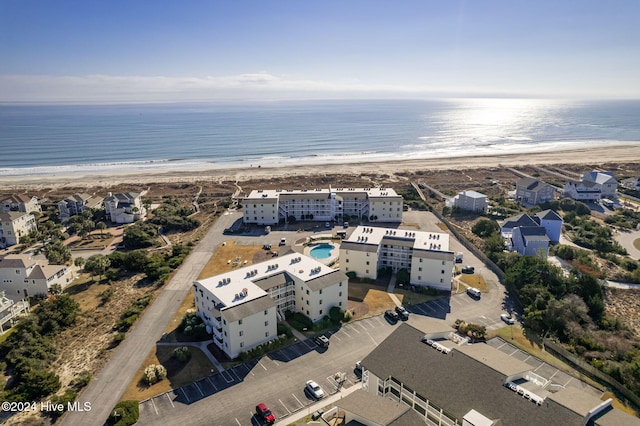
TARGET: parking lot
(278,380)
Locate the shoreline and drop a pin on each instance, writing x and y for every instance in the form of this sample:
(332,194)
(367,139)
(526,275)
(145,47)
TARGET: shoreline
(589,156)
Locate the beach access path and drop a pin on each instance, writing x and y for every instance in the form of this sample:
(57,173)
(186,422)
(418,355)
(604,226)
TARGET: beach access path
(106,388)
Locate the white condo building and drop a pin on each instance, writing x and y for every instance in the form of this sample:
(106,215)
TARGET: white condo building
(268,207)
(425,255)
(242,307)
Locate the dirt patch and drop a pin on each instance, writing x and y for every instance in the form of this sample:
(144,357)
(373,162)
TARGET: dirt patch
(624,305)
(178,373)
(229,256)
(474,280)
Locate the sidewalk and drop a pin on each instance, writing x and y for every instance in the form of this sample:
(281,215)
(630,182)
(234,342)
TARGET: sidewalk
(391,288)
(328,402)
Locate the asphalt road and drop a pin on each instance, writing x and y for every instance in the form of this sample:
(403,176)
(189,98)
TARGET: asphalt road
(105,389)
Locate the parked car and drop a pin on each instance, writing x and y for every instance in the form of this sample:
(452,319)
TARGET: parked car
(468,269)
(266,247)
(327,225)
(265,414)
(282,242)
(474,292)
(345,225)
(321,341)
(402,313)
(314,389)
(508,319)
(392,315)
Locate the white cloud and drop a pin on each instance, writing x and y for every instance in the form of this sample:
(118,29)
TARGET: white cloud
(261,85)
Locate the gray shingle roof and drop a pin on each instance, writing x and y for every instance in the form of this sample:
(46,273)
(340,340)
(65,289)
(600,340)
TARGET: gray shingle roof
(249,308)
(519,220)
(548,215)
(326,280)
(458,383)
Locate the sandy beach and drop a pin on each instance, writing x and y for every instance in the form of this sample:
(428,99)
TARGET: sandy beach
(592,157)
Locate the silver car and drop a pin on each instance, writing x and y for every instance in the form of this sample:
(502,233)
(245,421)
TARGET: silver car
(314,389)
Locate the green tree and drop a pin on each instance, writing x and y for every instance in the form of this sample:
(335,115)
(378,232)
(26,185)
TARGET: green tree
(485,227)
(57,253)
(97,264)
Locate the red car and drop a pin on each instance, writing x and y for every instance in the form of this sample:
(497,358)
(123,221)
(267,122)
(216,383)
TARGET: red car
(265,414)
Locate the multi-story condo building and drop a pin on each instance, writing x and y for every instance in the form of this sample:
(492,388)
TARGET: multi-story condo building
(425,255)
(13,225)
(449,384)
(242,307)
(124,208)
(269,207)
(592,186)
(21,203)
(22,276)
(76,204)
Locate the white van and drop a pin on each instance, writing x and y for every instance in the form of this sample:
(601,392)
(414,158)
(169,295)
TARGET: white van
(473,292)
(283,241)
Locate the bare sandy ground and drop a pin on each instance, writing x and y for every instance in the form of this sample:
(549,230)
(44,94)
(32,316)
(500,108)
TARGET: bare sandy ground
(592,156)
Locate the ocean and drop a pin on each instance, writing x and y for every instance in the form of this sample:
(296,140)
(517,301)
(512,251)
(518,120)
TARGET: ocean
(50,139)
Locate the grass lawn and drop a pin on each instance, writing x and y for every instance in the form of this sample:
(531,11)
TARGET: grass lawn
(474,280)
(224,256)
(178,374)
(409,298)
(92,241)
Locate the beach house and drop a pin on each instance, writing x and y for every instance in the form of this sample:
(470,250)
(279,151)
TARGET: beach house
(269,207)
(469,200)
(241,308)
(124,207)
(76,204)
(21,203)
(528,234)
(534,191)
(424,255)
(14,225)
(23,276)
(592,186)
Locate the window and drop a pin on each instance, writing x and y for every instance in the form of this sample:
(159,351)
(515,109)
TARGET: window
(266,334)
(340,294)
(347,260)
(307,291)
(239,322)
(266,323)
(241,332)
(339,303)
(420,269)
(242,344)
(320,302)
(320,291)
(340,285)
(419,277)
(442,271)
(367,271)
(320,311)
(441,280)
(307,302)
(420,260)
(265,312)
(367,262)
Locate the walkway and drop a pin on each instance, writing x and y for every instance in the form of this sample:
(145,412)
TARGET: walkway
(203,346)
(391,288)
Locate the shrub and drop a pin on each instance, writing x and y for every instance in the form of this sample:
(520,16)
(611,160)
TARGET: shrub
(181,353)
(118,338)
(283,329)
(69,396)
(82,380)
(154,373)
(125,413)
(106,295)
(336,314)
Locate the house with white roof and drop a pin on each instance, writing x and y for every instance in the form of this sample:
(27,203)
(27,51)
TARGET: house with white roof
(242,307)
(534,191)
(469,200)
(592,186)
(21,203)
(124,207)
(269,207)
(23,276)
(425,255)
(14,225)
(76,204)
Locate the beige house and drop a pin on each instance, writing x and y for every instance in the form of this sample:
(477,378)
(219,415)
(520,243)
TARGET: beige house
(21,203)
(241,308)
(124,208)
(534,191)
(22,276)
(425,255)
(268,207)
(14,225)
(76,204)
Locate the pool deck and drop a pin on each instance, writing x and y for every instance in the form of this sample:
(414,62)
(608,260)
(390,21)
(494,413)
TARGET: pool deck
(335,252)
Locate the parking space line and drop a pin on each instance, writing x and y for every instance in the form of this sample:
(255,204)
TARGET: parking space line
(212,384)
(154,407)
(553,374)
(265,368)
(236,374)
(296,398)
(501,345)
(284,355)
(538,366)
(336,337)
(354,329)
(342,330)
(525,360)
(167,395)
(378,320)
(512,353)
(568,381)
(309,346)
(275,362)
(428,307)
(363,327)
(185,395)
(238,422)
(285,407)
(224,375)
(198,387)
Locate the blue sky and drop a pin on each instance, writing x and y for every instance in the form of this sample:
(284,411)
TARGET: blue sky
(143,50)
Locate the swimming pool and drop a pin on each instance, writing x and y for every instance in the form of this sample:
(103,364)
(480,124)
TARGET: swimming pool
(321,251)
